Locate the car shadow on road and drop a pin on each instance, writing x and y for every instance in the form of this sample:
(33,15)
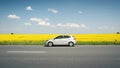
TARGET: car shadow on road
(59,46)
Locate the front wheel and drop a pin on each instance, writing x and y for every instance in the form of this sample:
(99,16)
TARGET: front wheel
(50,44)
(71,44)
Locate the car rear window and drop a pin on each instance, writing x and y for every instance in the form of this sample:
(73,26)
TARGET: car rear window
(66,36)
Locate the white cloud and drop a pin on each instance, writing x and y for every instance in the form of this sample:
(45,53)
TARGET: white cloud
(44,22)
(83,26)
(80,12)
(103,27)
(40,21)
(27,24)
(72,25)
(47,19)
(53,10)
(29,8)
(13,16)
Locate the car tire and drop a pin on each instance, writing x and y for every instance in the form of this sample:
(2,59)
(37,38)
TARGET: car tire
(71,44)
(50,44)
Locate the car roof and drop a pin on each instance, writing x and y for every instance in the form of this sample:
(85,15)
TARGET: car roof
(65,35)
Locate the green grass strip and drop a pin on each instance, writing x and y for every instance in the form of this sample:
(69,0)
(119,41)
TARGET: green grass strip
(42,42)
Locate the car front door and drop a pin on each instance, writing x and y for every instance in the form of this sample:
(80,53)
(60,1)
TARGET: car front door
(58,40)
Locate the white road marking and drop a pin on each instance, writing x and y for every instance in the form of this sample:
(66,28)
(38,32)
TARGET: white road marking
(26,52)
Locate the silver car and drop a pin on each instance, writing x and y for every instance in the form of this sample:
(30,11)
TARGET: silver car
(61,40)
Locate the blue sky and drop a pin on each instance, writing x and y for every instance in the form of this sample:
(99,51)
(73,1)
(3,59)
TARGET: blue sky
(59,16)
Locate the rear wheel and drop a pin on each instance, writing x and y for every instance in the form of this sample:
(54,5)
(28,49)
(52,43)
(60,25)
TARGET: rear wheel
(71,44)
(50,44)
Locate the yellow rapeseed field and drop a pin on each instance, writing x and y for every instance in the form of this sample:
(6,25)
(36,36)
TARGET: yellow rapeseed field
(43,37)
(78,37)
(27,37)
(97,37)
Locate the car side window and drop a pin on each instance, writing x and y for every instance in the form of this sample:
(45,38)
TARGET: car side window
(66,36)
(59,37)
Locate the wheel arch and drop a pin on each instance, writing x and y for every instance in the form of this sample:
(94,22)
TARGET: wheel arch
(71,42)
(50,42)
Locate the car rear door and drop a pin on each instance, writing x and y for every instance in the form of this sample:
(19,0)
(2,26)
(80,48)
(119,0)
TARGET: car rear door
(65,40)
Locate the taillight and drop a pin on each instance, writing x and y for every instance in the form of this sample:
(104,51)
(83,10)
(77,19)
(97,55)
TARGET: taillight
(74,38)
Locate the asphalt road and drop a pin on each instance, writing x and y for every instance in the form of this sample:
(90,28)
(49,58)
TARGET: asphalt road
(59,57)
